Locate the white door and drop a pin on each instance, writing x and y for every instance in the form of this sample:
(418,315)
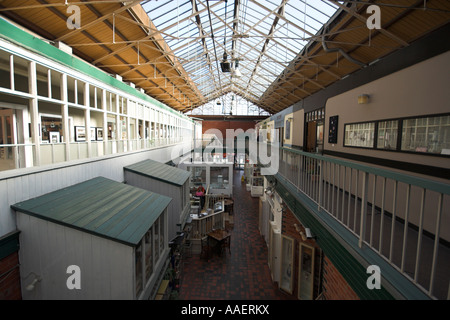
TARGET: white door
(8,138)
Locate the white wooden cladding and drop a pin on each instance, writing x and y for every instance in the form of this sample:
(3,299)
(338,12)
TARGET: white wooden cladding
(48,249)
(175,208)
(24,184)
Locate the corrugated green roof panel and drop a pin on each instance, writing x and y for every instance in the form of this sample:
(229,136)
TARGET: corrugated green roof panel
(160,171)
(102,207)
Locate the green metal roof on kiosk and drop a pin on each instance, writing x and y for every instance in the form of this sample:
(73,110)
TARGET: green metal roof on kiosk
(160,171)
(102,207)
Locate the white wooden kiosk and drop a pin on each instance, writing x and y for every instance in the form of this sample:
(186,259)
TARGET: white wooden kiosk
(166,180)
(114,233)
(218,177)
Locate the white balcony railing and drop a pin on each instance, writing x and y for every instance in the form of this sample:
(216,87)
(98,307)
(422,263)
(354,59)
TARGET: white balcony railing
(16,156)
(403,218)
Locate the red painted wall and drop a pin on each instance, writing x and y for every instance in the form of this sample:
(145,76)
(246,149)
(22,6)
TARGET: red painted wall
(223,125)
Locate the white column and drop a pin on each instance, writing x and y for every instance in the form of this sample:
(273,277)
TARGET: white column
(128,124)
(11,72)
(34,112)
(118,125)
(65,114)
(105,123)
(87,118)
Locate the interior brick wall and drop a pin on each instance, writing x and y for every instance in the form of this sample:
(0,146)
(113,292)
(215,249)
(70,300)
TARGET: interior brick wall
(10,278)
(223,125)
(334,286)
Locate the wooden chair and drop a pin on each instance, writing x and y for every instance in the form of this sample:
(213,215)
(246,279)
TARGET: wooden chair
(206,249)
(226,244)
(230,207)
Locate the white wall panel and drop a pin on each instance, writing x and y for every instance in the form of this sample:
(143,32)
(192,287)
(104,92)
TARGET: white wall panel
(48,249)
(24,184)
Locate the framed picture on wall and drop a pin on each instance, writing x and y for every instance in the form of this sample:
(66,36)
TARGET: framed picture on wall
(99,134)
(80,134)
(287,134)
(93,134)
(332,135)
(54,137)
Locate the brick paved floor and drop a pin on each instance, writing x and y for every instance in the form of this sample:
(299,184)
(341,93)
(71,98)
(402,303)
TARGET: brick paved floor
(241,275)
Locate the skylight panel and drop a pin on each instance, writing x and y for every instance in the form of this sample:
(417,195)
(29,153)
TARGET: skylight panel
(265,41)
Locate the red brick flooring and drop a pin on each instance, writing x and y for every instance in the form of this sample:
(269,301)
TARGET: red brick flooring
(241,275)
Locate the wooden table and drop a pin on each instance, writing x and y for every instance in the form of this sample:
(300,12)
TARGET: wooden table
(219,236)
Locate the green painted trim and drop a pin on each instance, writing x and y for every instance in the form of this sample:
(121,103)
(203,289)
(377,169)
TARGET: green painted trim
(348,263)
(30,42)
(9,244)
(408,179)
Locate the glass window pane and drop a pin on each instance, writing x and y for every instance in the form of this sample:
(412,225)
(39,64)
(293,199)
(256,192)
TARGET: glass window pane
(138,269)
(387,135)
(360,135)
(219,177)
(288,130)
(156,239)
(428,135)
(161,233)
(148,254)
(198,176)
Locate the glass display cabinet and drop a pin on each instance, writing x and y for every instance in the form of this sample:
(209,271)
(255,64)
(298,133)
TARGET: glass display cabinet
(287,264)
(217,177)
(257,183)
(306,272)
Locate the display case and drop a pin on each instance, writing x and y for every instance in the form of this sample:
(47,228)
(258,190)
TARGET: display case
(257,183)
(274,251)
(287,266)
(306,272)
(217,177)
(198,176)
(248,169)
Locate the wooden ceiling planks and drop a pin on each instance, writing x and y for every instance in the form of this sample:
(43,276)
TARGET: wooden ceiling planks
(127,56)
(350,33)
(142,56)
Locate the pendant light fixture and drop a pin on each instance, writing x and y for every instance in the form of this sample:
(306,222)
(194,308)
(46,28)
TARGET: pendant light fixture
(225,65)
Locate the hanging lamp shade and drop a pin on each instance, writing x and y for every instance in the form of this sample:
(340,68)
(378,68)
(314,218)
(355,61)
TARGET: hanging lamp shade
(225,65)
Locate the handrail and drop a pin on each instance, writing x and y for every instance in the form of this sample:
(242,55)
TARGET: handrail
(98,148)
(346,190)
(408,179)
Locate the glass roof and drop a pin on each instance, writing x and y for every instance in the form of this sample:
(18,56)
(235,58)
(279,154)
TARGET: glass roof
(229,104)
(259,38)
